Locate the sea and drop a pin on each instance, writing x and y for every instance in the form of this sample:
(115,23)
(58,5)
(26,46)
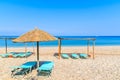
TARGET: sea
(100,41)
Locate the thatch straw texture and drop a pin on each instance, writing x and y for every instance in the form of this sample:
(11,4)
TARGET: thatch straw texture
(35,35)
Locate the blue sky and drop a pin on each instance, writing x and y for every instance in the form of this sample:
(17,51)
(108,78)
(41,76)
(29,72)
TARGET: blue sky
(60,17)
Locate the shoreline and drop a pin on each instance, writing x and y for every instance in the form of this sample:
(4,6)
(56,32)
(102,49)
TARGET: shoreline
(61,45)
(70,49)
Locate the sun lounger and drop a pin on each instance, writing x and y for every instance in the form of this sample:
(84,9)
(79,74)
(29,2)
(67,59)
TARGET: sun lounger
(82,55)
(22,54)
(20,71)
(19,55)
(46,68)
(4,55)
(24,68)
(7,54)
(28,54)
(64,56)
(74,56)
(31,65)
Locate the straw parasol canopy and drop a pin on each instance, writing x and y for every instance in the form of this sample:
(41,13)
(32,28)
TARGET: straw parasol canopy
(35,35)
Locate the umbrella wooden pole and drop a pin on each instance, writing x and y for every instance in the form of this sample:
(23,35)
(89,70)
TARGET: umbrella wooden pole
(94,49)
(37,54)
(88,45)
(25,47)
(6,45)
(33,48)
(59,47)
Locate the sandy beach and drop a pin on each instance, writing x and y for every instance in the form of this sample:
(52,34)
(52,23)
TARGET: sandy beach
(59,39)
(105,66)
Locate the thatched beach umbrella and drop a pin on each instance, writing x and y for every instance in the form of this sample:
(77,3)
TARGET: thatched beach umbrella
(35,35)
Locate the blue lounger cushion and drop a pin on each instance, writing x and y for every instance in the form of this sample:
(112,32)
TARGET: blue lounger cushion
(31,64)
(47,66)
(15,55)
(83,55)
(7,54)
(28,54)
(4,55)
(65,56)
(74,56)
(22,54)
(19,55)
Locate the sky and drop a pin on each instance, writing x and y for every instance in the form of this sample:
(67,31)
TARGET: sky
(61,17)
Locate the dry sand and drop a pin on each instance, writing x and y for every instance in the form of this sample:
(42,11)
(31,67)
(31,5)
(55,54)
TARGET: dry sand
(105,66)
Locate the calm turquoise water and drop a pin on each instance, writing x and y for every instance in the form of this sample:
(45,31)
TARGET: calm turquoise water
(100,41)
